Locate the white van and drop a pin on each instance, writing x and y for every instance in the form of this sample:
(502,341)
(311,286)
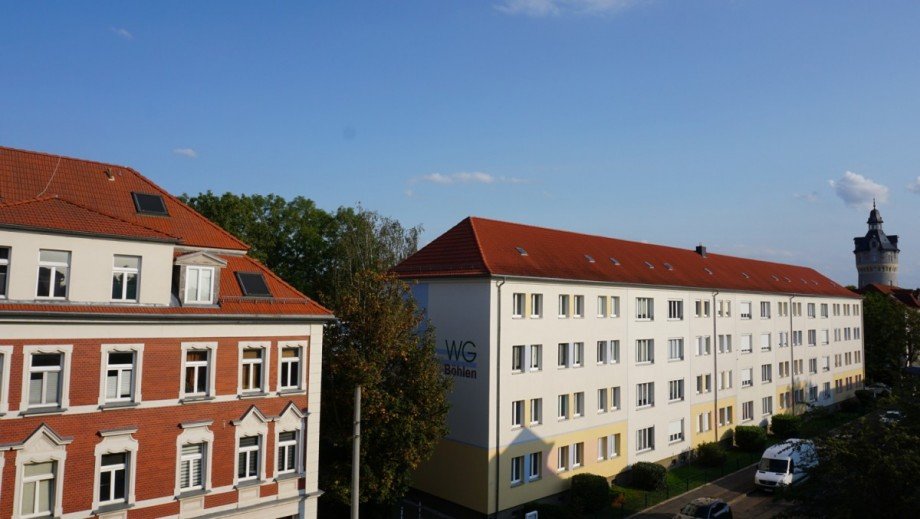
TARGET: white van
(785,464)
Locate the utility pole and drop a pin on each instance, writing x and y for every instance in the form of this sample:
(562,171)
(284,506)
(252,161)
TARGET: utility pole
(356,456)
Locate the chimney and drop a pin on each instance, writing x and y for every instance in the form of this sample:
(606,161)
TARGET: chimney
(701,250)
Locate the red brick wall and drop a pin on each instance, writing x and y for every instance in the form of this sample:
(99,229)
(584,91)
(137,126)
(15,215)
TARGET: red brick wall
(158,427)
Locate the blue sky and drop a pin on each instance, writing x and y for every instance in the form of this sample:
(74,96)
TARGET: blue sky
(759,128)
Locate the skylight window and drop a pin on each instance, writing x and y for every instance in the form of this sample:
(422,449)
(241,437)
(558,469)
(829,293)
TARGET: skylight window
(745,274)
(253,284)
(707,270)
(668,266)
(147,203)
(614,261)
(787,279)
(649,265)
(775,277)
(589,258)
(521,251)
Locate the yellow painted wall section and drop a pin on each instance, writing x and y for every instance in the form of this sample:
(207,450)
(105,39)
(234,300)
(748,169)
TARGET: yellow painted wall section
(707,436)
(551,481)
(458,473)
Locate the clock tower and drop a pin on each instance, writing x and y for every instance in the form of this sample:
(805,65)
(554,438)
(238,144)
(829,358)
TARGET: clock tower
(876,253)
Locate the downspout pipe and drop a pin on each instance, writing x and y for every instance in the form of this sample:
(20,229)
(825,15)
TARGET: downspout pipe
(498,399)
(791,356)
(715,368)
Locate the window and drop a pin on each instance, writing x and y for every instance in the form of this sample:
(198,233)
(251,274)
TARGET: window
(645,351)
(745,309)
(826,390)
(645,439)
(725,343)
(517,305)
(534,466)
(811,310)
(290,368)
(783,369)
(614,398)
(614,352)
(825,337)
(766,373)
(536,306)
(251,368)
(764,309)
(701,308)
(813,366)
(602,306)
(703,346)
(676,431)
(747,377)
(797,337)
(517,414)
(725,308)
(766,405)
(5,355)
(563,305)
(287,452)
(676,390)
(578,354)
(675,310)
(562,355)
(536,411)
(579,404)
(517,359)
(782,309)
(191,467)
(199,284)
(579,306)
(747,411)
(578,455)
(812,337)
(53,274)
(125,274)
(45,375)
(113,478)
(603,352)
(675,349)
(783,339)
(536,357)
(38,489)
(703,383)
(704,421)
(562,458)
(826,363)
(746,346)
(725,415)
(562,407)
(4,270)
(765,342)
(725,379)
(602,400)
(812,393)
(615,306)
(119,376)
(602,448)
(253,284)
(824,310)
(196,372)
(517,470)
(248,458)
(146,203)
(645,394)
(645,308)
(797,367)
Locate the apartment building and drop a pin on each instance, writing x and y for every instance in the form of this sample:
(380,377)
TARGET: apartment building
(148,366)
(583,354)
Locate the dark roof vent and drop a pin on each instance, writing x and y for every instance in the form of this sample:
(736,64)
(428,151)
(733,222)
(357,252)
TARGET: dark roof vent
(147,203)
(109,175)
(701,250)
(521,251)
(253,284)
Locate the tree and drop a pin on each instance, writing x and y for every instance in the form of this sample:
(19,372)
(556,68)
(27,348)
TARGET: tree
(885,322)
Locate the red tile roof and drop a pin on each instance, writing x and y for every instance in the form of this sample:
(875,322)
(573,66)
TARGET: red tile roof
(27,175)
(478,247)
(56,214)
(908,297)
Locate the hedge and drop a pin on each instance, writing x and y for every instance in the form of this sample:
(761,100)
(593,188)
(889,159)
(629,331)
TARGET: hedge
(648,476)
(786,426)
(711,454)
(750,438)
(590,493)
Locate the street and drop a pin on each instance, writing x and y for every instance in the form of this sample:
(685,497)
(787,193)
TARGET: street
(737,489)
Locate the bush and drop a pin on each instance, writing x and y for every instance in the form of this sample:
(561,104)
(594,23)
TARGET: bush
(711,454)
(750,438)
(786,426)
(590,493)
(851,405)
(551,511)
(648,476)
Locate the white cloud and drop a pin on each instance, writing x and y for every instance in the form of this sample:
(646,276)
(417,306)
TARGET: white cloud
(858,191)
(186,152)
(122,32)
(464,177)
(807,197)
(914,187)
(541,8)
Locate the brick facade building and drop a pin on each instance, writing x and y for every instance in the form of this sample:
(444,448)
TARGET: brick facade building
(148,366)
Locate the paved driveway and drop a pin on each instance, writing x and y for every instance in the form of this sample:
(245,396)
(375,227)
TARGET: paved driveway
(737,489)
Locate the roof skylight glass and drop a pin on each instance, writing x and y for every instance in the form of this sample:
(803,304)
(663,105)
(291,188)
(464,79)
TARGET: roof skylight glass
(521,251)
(589,258)
(668,266)
(253,284)
(614,261)
(147,203)
(649,265)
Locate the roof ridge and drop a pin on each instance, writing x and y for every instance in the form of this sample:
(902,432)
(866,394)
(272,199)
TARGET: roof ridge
(482,254)
(60,156)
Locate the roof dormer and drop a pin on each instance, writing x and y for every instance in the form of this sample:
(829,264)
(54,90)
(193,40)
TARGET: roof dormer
(196,279)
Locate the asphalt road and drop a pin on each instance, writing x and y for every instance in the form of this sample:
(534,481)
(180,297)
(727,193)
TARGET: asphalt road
(737,489)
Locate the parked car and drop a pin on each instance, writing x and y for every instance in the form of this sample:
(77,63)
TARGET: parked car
(891,417)
(879,390)
(785,464)
(705,508)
